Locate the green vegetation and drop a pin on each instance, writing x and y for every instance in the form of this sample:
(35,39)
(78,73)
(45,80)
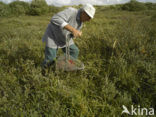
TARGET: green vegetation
(133,5)
(4,9)
(117,48)
(18,8)
(38,8)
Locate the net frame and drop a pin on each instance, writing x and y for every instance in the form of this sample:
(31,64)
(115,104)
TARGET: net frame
(67,62)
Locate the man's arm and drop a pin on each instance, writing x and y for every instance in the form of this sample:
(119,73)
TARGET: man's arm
(61,19)
(75,32)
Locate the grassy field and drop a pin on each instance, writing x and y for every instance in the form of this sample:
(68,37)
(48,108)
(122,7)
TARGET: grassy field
(118,49)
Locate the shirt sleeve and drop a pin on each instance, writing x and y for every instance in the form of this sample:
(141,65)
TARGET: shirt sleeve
(61,19)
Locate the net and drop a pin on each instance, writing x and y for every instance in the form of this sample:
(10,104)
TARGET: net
(68,64)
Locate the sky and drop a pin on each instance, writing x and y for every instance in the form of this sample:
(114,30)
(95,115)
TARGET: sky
(77,2)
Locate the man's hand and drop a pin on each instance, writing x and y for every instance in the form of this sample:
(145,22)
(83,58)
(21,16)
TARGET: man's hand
(75,32)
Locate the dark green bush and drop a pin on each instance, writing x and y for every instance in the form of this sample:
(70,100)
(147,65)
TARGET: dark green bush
(19,7)
(22,8)
(133,5)
(38,8)
(151,6)
(4,9)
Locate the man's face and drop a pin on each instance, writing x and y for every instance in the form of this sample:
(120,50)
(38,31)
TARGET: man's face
(84,17)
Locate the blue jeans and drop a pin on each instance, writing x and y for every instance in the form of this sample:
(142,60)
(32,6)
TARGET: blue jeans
(50,54)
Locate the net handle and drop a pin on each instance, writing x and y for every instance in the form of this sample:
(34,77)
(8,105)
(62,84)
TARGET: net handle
(67,57)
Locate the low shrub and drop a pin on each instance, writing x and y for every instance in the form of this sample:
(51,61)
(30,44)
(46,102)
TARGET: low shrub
(150,6)
(4,9)
(19,7)
(23,8)
(133,5)
(38,8)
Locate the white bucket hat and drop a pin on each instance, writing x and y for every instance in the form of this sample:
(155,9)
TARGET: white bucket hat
(89,9)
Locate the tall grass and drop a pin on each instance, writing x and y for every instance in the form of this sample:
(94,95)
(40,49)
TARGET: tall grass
(117,48)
